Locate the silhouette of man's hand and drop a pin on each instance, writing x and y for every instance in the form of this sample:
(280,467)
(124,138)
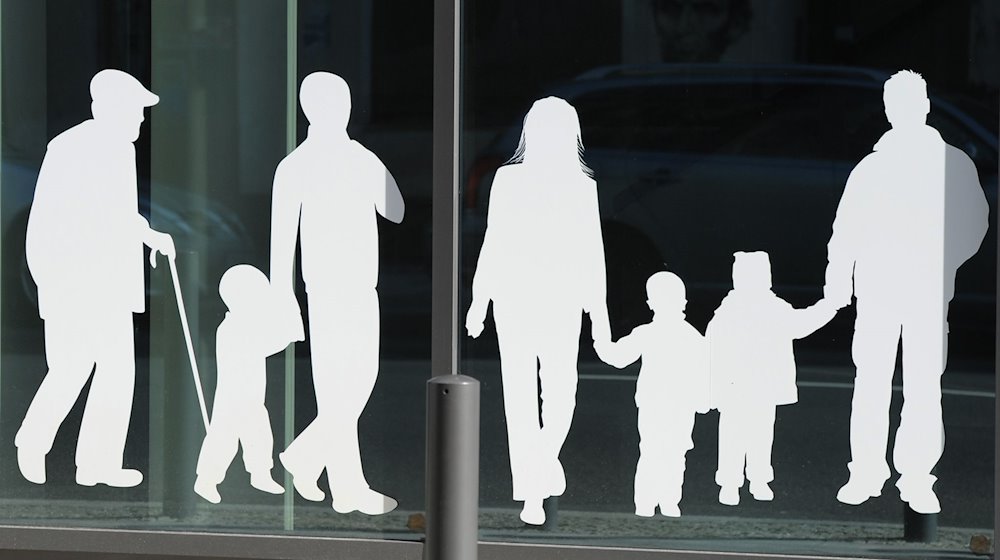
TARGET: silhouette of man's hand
(160,242)
(475,318)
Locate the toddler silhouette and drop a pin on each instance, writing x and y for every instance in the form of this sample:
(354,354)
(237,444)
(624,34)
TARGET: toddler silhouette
(672,387)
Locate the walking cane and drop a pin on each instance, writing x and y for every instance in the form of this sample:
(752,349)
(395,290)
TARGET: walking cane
(187,339)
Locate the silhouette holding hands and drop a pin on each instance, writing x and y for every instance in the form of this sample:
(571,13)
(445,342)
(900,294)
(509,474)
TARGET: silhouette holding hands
(753,371)
(541,264)
(912,212)
(328,193)
(243,341)
(84,248)
(673,385)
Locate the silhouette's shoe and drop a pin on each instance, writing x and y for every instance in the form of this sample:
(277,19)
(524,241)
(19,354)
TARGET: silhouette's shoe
(645,510)
(264,483)
(305,487)
(533,514)
(729,495)
(921,500)
(558,480)
(366,501)
(207,490)
(761,491)
(118,478)
(670,510)
(32,465)
(856,492)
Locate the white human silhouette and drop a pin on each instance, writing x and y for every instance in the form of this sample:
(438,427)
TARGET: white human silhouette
(243,341)
(542,265)
(331,189)
(673,385)
(753,371)
(84,248)
(912,212)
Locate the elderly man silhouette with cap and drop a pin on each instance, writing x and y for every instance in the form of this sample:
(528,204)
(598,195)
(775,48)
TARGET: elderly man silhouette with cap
(84,248)
(912,212)
(329,191)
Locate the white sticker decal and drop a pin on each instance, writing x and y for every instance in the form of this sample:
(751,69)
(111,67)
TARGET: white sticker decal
(84,247)
(912,212)
(328,193)
(753,371)
(673,386)
(245,338)
(542,266)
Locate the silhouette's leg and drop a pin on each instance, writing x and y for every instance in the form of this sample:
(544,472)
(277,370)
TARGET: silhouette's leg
(106,417)
(258,449)
(920,437)
(257,440)
(353,347)
(677,430)
(218,448)
(876,339)
(70,359)
(760,437)
(650,463)
(760,440)
(518,367)
(732,453)
(217,452)
(305,456)
(557,357)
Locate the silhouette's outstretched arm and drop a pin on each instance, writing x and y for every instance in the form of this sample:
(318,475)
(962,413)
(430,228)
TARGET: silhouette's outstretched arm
(623,352)
(841,251)
(388,200)
(804,322)
(286,207)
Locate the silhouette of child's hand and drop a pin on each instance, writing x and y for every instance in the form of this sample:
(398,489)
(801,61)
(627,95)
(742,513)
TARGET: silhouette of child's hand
(474,319)
(839,295)
(603,347)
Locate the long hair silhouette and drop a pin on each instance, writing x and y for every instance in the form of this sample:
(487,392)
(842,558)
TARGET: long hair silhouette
(550,130)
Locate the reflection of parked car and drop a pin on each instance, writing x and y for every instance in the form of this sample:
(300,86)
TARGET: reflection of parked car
(694,162)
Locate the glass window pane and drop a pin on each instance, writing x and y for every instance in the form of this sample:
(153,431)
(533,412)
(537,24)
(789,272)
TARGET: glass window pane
(714,127)
(227,75)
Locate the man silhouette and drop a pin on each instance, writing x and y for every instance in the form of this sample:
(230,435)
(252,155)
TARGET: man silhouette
(84,249)
(331,188)
(912,212)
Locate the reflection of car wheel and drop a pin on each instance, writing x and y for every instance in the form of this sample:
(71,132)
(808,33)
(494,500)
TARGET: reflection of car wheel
(631,259)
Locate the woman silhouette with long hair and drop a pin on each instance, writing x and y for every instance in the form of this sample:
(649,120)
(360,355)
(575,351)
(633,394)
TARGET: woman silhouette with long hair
(541,264)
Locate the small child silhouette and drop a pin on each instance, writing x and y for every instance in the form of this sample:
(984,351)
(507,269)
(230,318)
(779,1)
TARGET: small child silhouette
(753,371)
(245,338)
(673,385)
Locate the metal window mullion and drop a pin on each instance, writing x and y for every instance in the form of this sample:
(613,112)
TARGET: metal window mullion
(444,223)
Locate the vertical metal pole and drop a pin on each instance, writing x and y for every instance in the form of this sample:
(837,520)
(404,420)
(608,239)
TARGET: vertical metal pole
(452,492)
(291,114)
(452,462)
(444,231)
(996,402)
(919,527)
